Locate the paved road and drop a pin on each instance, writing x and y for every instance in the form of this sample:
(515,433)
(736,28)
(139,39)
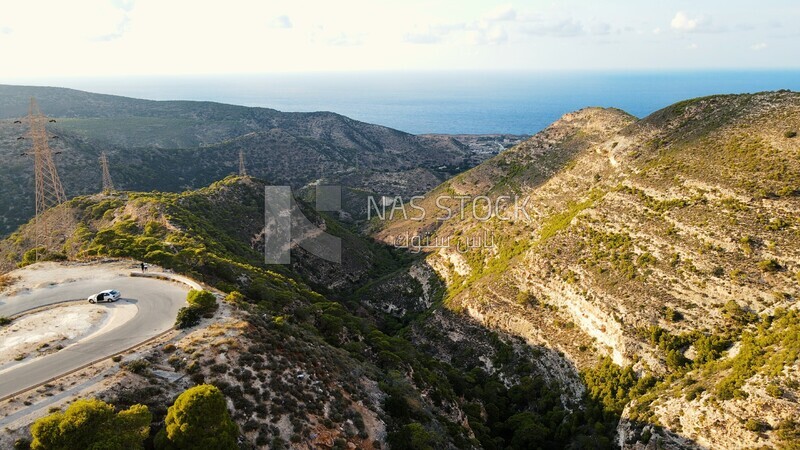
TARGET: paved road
(157,302)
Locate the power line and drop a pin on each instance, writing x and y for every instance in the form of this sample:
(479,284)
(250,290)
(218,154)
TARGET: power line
(242,168)
(108,185)
(49,190)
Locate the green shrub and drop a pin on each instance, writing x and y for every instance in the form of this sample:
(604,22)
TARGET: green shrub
(755,425)
(199,418)
(413,436)
(4,321)
(205,301)
(235,298)
(790,134)
(612,386)
(774,390)
(672,315)
(137,366)
(169,348)
(789,432)
(188,316)
(694,393)
(709,348)
(738,314)
(92,424)
(769,265)
(39,254)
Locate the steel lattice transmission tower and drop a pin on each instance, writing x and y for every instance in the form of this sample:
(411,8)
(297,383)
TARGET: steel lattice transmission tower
(108,185)
(242,168)
(49,191)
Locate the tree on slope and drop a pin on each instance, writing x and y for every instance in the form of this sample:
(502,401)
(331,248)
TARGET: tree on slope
(199,418)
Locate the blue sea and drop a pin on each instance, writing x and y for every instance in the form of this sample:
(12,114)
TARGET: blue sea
(454,103)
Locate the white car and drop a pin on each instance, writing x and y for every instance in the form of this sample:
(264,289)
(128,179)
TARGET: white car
(109,295)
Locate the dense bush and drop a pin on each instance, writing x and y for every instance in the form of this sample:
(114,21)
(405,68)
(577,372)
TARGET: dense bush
(205,301)
(198,419)
(40,254)
(92,424)
(188,316)
(235,297)
(413,437)
(613,386)
(738,314)
(769,349)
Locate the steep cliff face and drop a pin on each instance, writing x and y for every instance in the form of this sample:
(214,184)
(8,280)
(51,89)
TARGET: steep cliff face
(639,240)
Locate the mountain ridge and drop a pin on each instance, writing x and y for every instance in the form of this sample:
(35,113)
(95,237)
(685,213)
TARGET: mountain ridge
(180,145)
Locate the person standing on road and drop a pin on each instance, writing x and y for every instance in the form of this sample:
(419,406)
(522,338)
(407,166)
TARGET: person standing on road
(144,267)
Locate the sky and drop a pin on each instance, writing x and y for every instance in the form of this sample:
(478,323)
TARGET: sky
(176,37)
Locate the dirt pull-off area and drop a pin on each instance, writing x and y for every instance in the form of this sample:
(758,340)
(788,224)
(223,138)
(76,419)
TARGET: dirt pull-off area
(48,331)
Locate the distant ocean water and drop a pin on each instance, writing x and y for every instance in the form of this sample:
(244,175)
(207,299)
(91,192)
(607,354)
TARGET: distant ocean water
(454,103)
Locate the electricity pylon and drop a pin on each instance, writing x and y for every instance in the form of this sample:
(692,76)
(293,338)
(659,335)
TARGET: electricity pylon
(108,185)
(242,168)
(49,191)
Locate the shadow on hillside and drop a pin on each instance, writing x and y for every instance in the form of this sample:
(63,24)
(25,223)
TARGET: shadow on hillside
(596,422)
(550,383)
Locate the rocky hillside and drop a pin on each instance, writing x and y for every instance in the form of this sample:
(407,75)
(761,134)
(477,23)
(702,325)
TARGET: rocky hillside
(669,245)
(609,282)
(179,145)
(332,369)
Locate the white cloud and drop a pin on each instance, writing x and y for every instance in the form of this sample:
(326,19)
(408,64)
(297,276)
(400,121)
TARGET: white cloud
(682,22)
(758,46)
(692,46)
(281,22)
